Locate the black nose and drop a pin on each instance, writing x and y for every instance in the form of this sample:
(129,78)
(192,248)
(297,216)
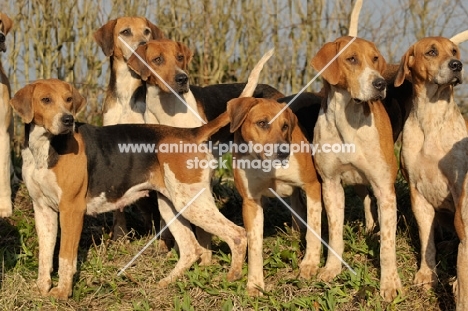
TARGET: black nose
(181,79)
(283,151)
(2,37)
(67,120)
(379,84)
(455,65)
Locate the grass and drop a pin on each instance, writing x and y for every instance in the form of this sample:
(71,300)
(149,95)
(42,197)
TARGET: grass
(97,286)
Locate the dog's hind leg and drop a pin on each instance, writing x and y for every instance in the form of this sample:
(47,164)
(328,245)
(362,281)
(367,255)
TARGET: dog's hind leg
(189,248)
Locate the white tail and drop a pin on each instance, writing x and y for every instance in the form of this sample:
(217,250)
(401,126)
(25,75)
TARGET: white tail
(354,20)
(459,38)
(255,74)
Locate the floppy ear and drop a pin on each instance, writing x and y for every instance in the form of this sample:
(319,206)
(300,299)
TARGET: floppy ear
(405,64)
(7,23)
(79,102)
(135,64)
(238,108)
(292,121)
(323,58)
(187,54)
(155,31)
(22,103)
(104,37)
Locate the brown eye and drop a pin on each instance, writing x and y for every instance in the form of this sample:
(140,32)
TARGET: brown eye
(46,100)
(180,58)
(376,59)
(147,32)
(69,99)
(454,52)
(432,52)
(352,60)
(126,32)
(262,124)
(285,127)
(158,60)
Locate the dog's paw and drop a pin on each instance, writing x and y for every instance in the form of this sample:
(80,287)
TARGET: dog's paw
(425,278)
(234,275)
(389,288)
(163,283)
(255,290)
(44,286)
(59,294)
(327,274)
(306,271)
(6,208)
(205,258)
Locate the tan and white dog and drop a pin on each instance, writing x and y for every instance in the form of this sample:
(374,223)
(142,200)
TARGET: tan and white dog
(73,169)
(432,155)
(6,126)
(126,96)
(261,122)
(353,114)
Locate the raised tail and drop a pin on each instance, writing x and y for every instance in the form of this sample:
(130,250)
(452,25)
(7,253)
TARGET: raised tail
(207,130)
(354,20)
(252,81)
(460,37)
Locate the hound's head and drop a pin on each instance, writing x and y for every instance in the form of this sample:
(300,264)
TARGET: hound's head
(135,31)
(250,121)
(357,70)
(49,103)
(432,60)
(168,59)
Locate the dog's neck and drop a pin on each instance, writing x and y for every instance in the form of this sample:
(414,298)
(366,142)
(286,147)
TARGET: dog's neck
(434,104)
(123,85)
(346,115)
(38,142)
(168,109)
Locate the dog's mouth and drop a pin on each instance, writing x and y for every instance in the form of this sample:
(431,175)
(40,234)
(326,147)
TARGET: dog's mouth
(455,81)
(2,47)
(374,98)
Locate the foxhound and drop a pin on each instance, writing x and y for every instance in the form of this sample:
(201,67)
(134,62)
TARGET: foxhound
(352,113)
(126,93)
(6,126)
(125,97)
(276,169)
(433,160)
(73,169)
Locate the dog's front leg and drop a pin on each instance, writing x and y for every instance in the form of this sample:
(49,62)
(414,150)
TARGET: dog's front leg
(333,198)
(389,280)
(46,228)
(311,261)
(425,215)
(71,225)
(252,214)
